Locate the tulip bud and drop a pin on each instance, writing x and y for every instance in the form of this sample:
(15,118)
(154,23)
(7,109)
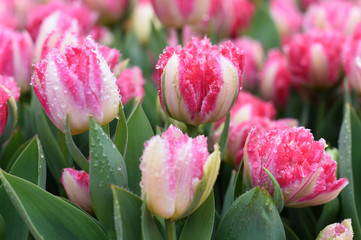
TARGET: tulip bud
(337,231)
(130,83)
(76,185)
(314,58)
(176,14)
(8,92)
(301,166)
(77,83)
(275,79)
(178,173)
(200,82)
(16,52)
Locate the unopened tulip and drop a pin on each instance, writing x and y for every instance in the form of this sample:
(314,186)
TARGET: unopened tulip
(314,58)
(275,79)
(301,166)
(173,13)
(178,173)
(109,10)
(337,231)
(16,52)
(9,93)
(76,185)
(77,83)
(131,84)
(200,82)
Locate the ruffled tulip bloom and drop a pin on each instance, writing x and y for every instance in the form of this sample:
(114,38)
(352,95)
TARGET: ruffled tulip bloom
(131,84)
(301,166)
(314,58)
(275,79)
(200,82)
(16,53)
(176,14)
(178,173)
(337,231)
(76,185)
(336,15)
(77,83)
(109,10)
(9,93)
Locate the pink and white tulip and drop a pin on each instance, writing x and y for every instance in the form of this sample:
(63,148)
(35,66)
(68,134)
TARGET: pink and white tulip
(9,93)
(108,10)
(314,58)
(76,185)
(178,173)
(200,82)
(301,166)
(275,79)
(131,84)
(175,14)
(16,52)
(337,231)
(77,83)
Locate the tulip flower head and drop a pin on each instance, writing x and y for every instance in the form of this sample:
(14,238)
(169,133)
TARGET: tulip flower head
(178,173)
(337,231)
(131,84)
(301,166)
(200,82)
(78,83)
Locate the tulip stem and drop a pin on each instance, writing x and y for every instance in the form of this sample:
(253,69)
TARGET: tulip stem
(192,131)
(171,231)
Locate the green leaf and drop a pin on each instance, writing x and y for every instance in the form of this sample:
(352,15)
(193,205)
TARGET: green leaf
(263,28)
(350,167)
(149,228)
(229,196)
(329,214)
(10,162)
(74,151)
(305,229)
(252,216)
(204,216)
(140,131)
(277,192)
(150,103)
(127,214)
(2,228)
(30,165)
(121,133)
(47,216)
(224,137)
(10,121)
(8,150)
(290,234)
(106,167)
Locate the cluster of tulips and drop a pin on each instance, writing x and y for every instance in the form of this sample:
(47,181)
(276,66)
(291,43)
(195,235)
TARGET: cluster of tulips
(168,119)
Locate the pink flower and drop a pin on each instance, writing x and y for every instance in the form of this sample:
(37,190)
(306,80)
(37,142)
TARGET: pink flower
(76,185)
(109,10)
(8,92)
(16,52)
(178,173)
(275,79)
(337,231)
(130,84)
(315,58)
(254,56)
(200,82)
(79,83)
(175,13)
(301,166)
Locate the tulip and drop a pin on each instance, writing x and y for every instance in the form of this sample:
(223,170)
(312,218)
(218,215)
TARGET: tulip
(178,173)
(9,93)
(301,166)
(314,58)
(109,10)
(200,82)
(337,231)
(76,185)
(16,52)
(336,15)
(275,79)
(176,14)
(131,84)
(77,83)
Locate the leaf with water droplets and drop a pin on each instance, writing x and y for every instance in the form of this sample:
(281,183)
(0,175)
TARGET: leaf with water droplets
(106,167)
(121,133)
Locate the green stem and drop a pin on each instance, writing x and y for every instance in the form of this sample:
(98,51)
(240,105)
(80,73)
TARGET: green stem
(171,231)
(180,36)
(192,130)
